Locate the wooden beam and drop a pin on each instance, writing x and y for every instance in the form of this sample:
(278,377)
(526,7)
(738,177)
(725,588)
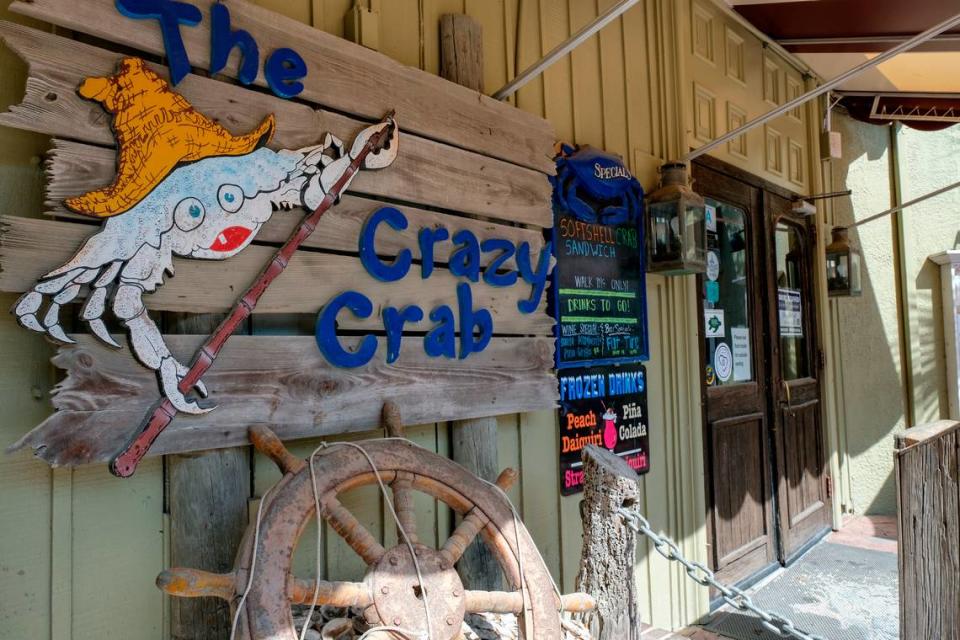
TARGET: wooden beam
(208,496)
(461,50)
(474,446)
(342,75)
(473,442)
(284,382)
(425,172)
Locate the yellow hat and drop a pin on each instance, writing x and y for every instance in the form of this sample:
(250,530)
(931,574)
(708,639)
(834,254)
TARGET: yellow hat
(156,129)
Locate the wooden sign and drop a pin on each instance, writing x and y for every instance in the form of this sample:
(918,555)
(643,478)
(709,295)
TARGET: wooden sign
(599,294)
(411,302)
(605,407)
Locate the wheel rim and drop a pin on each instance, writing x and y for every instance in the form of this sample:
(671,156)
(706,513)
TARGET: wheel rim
(405,467)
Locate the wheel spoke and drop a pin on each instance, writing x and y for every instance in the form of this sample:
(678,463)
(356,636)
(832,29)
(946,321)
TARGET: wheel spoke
(463,535)
(512,602)
(194,583)
(267,443)
(337,594)
(351,530)
(403,505)
(472,523)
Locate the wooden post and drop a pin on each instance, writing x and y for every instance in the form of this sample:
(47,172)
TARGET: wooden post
(926,462)
(461,50)
(609,546)
(474,442)
(474,446)
(207,496)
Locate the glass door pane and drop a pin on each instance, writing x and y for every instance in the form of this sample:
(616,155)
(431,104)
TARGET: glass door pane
(791,299)
(726,304)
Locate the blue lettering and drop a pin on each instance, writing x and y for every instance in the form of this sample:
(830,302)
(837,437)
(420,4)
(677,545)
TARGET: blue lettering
(368,254)
(441,340)
(471,320)
(326,331)
(536,278)
(284,68)
(223,40)
(393,322)
(465,259)
(427,238)
(170,15)
(490,275)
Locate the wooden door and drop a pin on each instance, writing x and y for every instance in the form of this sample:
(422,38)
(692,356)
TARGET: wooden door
(803,500)
(739,483)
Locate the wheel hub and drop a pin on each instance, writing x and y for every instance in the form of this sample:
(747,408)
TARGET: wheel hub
(398,595)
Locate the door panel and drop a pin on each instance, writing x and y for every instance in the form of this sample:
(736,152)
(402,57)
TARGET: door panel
(742,493)
(736,442)
(803,505)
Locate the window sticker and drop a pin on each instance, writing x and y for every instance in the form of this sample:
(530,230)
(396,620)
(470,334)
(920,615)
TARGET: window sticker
(741,354)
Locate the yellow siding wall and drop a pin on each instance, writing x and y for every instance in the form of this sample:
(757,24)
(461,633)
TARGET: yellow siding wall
(79,550)
(735,78)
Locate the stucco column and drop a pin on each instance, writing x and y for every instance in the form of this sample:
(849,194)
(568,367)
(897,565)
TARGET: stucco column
(949,262)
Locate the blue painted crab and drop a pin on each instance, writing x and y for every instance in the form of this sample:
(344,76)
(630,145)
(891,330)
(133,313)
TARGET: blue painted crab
(596,187)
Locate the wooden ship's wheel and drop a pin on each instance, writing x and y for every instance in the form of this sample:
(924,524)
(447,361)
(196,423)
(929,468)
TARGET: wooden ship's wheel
(391,593)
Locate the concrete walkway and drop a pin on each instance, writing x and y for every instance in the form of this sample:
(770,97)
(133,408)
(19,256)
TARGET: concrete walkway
(867,533)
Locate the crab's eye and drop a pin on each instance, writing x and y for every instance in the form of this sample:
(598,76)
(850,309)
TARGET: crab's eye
(230,197)
(189,214)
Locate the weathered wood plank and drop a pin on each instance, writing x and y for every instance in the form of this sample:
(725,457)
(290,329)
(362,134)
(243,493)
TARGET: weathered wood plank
(207,499)
(461,50)
(74,168)
(30,248)
(425,172)
(208,496)
(473,442)
(474,446)
(925,432)
(283,382)
(342,75)
(929,552)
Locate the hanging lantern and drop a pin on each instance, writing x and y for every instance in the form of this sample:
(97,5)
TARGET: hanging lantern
(843,265)
(677,231)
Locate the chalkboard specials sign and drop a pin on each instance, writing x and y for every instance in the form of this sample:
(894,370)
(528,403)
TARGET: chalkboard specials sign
(607,407)
(600,305)
(599,293)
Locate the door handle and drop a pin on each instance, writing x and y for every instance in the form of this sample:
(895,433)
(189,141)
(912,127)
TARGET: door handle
(786,393)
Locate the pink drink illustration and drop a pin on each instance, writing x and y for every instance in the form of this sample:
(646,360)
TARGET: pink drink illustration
(610,429)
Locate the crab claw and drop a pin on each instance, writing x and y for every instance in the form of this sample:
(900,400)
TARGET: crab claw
(170,373)
(387,153)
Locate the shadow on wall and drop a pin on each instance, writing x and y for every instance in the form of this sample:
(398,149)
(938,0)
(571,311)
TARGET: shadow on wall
(865,330)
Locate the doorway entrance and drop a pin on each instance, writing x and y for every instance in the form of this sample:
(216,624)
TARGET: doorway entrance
(764,452)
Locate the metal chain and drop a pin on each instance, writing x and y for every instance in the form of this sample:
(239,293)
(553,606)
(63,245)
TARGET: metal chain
(737,598)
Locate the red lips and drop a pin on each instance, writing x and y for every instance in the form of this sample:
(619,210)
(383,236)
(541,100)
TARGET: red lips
(230,238)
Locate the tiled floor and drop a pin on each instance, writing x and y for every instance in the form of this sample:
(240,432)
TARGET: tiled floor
(878,533)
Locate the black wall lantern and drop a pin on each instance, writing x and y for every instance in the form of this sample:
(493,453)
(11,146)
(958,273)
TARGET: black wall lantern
(677,230)
(843,265)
